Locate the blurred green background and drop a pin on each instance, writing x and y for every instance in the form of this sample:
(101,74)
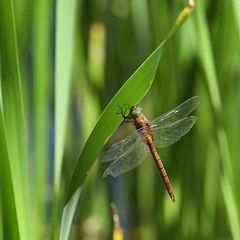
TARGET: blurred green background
(108,41)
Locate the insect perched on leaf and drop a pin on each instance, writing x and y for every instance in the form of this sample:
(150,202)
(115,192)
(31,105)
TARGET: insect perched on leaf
(161,132)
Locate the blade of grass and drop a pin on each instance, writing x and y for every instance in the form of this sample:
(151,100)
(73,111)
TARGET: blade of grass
(41,62)
(211,189)
(1,220)
(14,116)
(68,213)
(231,206)
(130,93)
(141,24)
(206,59)
(65,25)
(236,9)
(9,221)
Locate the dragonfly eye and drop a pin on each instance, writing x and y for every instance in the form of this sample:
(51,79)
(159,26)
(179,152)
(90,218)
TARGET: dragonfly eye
(135,111)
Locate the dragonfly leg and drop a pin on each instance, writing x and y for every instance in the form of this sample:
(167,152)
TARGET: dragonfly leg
(124,111)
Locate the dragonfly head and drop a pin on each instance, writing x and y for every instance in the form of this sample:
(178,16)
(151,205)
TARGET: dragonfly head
(135,111)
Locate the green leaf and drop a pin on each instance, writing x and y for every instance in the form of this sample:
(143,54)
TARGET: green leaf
(68,213)
(9,222)
(236,8)
(65,25)
(13,112)
(208,65)
(41,94)
(130,93)
(231,205)
(64,48)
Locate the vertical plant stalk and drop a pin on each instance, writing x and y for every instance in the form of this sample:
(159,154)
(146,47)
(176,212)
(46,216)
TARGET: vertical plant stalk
(9,222)
(182,17)
(42,73)
(132,92)
(206,58)
(236,9)
(13,112)
(65,26)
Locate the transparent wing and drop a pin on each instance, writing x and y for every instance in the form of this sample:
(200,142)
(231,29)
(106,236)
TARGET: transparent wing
(118,149)
(166,136)
(177,113)
(133,157)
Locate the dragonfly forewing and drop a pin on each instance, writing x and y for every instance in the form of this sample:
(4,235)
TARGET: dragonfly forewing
(177,113)
(166,136)
(134,156)
(166,130)
(120,148)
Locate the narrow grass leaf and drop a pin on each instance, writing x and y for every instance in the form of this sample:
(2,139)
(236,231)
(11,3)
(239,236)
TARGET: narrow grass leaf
(68,213)
(231,206)
(42,56)
(130,93)
(9,222)
(13,112)
(236,9)
(207,61)
(64,42)
(65,25)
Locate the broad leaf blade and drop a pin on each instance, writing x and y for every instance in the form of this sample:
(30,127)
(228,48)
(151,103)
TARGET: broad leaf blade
(130,93)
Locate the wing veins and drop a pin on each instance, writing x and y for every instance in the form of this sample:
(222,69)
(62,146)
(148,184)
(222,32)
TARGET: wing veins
(177,113)
(121,147)
(166,136)
(127,162)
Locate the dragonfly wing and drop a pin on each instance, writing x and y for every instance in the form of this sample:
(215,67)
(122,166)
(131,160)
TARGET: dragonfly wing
(177,113)
(133,157)
(120,148)
(166,136)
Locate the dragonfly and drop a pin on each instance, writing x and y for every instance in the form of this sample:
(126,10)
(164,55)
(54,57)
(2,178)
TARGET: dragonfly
(162,132)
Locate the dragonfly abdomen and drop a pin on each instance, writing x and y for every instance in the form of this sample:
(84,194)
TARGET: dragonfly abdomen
(162,170)
(141,121)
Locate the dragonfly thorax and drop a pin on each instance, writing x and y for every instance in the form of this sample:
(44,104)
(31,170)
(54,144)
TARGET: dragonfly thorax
(135,111)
